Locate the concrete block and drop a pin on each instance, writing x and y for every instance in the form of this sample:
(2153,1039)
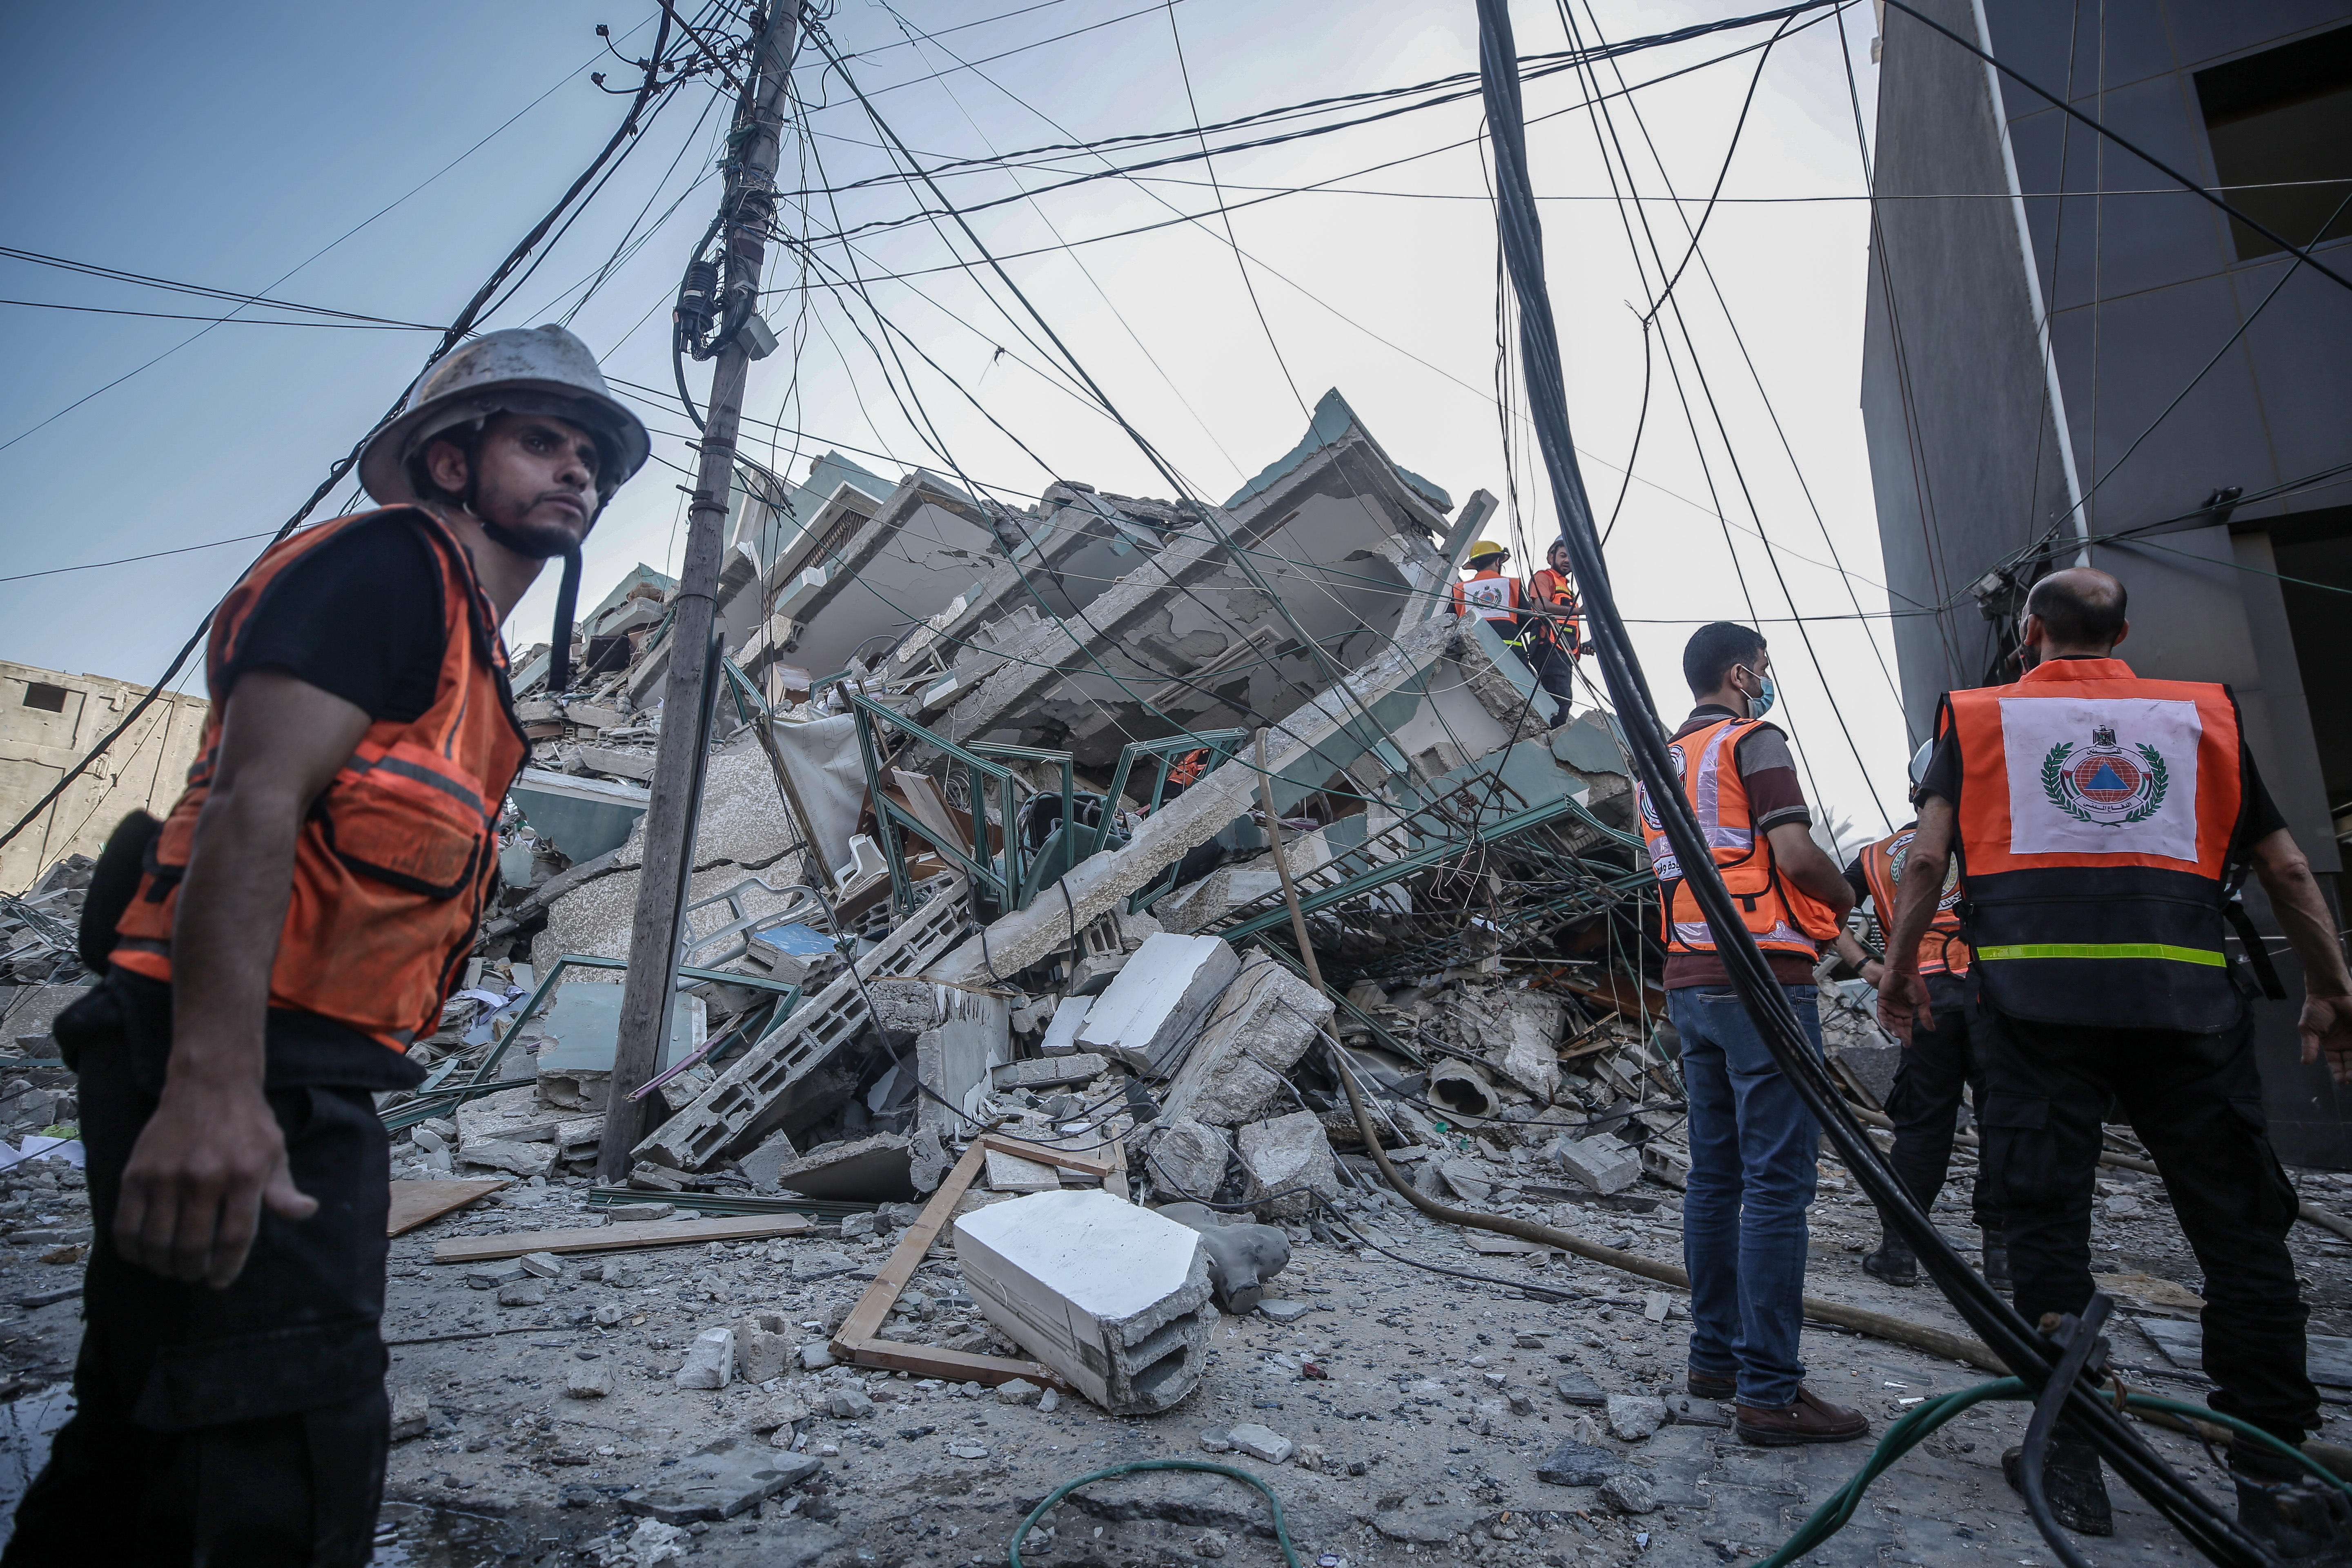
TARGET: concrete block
(542,1265)
(1062,1033)
(1112,1297)
(523,1293)
(1020,1391)
(815,1356)
(1601,1163)
(1633,1416)
(744,1102)
(1289,1151)
(619,764)
(929,1160)
(1575,1464)
(1260,1442)
(710,1361)
(763,1347)
(588,1379)
(510,1116)
(1147,1019)
(1049,1072)
(760,1165)
(412,1415)
(1186,1158)
(870,1170)
(1253,1035)
(1011,1173)
(846,1404)
(522,1159)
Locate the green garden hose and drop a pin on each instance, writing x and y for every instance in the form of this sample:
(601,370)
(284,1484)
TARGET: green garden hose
(1916,1426)
(1281,1532)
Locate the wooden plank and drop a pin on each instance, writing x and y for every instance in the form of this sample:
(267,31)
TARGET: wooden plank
(621,1238)
(854,1340)
(420,1202)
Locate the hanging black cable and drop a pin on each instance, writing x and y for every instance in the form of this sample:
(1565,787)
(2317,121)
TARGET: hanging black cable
(2025,1353)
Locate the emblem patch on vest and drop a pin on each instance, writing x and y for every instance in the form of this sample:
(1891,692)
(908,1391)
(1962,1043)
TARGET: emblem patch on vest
(2103,783)
(2102,776)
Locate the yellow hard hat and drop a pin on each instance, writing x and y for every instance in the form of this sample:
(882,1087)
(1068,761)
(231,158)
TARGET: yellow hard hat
(1486,547)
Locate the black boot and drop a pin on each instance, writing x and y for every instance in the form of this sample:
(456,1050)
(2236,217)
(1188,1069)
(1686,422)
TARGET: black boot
(2070,1479)
(2283,1506)
(1996,1262)
(1893,1261)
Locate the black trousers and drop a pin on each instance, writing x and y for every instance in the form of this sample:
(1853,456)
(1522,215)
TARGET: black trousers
(2195,1100)
(245,1425)
(1555,671)
(1940,1063)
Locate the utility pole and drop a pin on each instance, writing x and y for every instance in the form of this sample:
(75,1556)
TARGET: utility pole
(747,209)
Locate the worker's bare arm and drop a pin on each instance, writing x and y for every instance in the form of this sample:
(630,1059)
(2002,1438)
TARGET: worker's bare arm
(212,1154)
(2302,914)
(1902,994)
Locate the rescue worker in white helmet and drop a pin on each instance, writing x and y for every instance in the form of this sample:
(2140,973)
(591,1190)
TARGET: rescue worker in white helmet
(270,951)
(1940,1060)
(2102,823)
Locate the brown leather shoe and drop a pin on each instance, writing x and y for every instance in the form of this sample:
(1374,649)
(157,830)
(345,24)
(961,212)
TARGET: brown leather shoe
(1811,1419)
(1706,1386)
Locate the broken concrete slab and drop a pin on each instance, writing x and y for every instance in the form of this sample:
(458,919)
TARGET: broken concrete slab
(720,1481)
(760,1165)
(1528,1051)
(868,1170)
(522,1159)
(1578,1388)
(1251,1038)
(1062,1033)
(955,1056)
(1048,1072)
(1113,1296)
(1260,1442)
(1010,1173)
(1148,1018)
(1289,1160)
(1575,1464)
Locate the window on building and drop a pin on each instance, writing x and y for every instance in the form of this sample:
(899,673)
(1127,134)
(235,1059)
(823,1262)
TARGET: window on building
(2280,123)
(42,695)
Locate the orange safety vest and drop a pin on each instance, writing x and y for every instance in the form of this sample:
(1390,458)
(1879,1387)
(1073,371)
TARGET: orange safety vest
(1188,768)
(395,858)
(2098,817)
(1942,950)
(1490,595)
(1781,917)
(1554,591)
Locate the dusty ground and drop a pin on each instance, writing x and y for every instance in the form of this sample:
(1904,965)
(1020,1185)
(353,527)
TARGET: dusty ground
(1423,1448)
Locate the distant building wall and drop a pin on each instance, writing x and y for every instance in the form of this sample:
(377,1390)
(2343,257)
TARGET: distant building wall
(48,720)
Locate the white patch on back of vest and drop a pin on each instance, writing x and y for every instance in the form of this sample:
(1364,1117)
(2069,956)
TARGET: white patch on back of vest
(2102,776)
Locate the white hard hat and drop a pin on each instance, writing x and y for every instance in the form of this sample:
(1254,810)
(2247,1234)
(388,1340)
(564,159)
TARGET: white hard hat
(517,370)
(1919,762)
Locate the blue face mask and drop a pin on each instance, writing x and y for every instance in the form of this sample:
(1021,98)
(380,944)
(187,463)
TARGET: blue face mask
(1761,703)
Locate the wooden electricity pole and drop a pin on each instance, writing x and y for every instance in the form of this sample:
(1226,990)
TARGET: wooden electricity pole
(747,210)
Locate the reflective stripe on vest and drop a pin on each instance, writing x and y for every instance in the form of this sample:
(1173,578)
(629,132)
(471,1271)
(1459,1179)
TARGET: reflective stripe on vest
(1942,950)
(395,859)
(1490,595)
(1781,918)
(2097,815)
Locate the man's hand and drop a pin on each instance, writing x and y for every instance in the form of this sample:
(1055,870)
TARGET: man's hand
(1902,997)
(2326,1024)
(203,1165)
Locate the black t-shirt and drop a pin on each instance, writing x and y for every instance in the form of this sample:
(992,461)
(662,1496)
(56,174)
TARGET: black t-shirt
(359,617)
(2263,817)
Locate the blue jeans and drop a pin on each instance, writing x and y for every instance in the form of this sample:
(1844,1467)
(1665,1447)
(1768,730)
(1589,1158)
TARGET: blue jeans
(1752,1148)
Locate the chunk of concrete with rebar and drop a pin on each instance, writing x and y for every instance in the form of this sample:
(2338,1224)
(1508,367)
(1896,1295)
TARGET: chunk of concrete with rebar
(1113,1296)
(1148,1018)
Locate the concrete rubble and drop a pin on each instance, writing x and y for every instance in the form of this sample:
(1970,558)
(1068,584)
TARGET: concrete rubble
(1243,1281)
